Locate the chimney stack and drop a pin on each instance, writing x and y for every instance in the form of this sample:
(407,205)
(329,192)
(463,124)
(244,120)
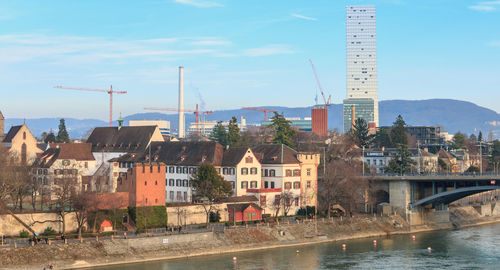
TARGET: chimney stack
(181,102)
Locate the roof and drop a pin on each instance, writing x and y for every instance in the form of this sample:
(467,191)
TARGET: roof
(233,156)
(240,207)
(1,115)
(179,153)
(125,139)
(276,154)
(77,151)
(12,133)
(245,198)
(444,154)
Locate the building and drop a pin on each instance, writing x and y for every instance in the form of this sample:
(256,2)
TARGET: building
(63,166)
(22,145)
(319,115)
(355,108)
(204,128)
(244,212)
(145,184)
(295,122)
(378,158)
(242,168)
(362,78)
(163,125)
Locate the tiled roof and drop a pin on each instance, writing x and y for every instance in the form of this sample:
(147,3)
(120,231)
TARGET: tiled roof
(77,151)
(127,139)
(444,154)
(233,156)
(12,133)
(276,154)
(240,207)
(245,198)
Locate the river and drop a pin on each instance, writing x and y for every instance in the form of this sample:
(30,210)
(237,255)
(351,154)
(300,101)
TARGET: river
(470,248)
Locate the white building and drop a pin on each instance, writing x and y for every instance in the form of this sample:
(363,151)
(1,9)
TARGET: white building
(205,128)
(163,125)
(362,80)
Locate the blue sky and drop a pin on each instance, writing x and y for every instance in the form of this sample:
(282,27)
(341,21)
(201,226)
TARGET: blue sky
(236,53)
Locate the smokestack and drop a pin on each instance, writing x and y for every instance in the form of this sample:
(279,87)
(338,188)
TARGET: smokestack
(353,117)
(181,102)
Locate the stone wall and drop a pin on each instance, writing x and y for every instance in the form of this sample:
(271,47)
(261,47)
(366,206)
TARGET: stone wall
(193,214)
(38,222)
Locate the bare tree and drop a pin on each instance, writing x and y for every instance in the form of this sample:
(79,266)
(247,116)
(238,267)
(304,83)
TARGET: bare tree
(63,191)
(287,198)
(82,204)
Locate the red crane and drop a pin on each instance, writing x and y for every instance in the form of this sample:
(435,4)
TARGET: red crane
(196,112)
(110,92)
(260,110)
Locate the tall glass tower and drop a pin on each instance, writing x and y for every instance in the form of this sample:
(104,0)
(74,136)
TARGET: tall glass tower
(361,38)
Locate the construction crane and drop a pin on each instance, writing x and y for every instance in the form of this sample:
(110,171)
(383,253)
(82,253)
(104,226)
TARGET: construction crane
(327,101)
(110,92)
(260,110)
(196,112)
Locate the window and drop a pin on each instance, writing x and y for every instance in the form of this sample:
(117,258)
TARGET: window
(308,184)
(171,169)
(288,185)
(145,183)
(86,164)
(171,195)
(178,182)
(266,184)
(272,173)
(159,170)
(150,168)
(244,171)
(185,183)
(263,201)
(248,160)
(24,135)
(178,169)
(143,168)
(218,170)
(296,185)
(244,184)
(296,172)
(146,200)
(253,184)
(185,170)
(156,200)
(171,182)
(224,171)
(288,172)
(277,199)
(185,196)
(156,183)
(253,170)
(266,172)
(272,184)
(39,171)
(179,196)
(233,171)
(308,172)
(297,201)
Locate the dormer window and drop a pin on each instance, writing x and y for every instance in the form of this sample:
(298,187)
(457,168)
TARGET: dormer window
(203,158)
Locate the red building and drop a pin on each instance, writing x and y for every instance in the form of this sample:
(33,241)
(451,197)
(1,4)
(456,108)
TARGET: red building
(244,212)
(145,184)
(319,121)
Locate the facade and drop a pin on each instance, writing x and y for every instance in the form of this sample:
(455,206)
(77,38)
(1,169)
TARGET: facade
(163,125)
(63,166)
(426,135)
(21,144)
(319,116)
(145,183)
(361,38)
(357,108)
(377,159)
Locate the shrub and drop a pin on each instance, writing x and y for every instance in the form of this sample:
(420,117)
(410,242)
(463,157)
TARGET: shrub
(48,231)
(148,216)
(310,210)
(24,234)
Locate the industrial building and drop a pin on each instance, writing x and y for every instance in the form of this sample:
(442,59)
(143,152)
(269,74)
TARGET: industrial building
(295,122)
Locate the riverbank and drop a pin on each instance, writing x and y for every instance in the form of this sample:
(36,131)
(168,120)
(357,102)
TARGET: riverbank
(120,251)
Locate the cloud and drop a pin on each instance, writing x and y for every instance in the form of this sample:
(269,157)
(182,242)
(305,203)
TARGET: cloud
(303,17)
(272,49)
(485,6)
(199,3)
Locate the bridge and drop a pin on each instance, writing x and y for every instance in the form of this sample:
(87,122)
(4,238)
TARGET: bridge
(412,194)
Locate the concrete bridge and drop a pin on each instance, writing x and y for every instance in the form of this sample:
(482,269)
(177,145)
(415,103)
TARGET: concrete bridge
(424,197)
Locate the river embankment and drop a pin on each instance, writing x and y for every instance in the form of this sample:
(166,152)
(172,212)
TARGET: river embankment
(120,251)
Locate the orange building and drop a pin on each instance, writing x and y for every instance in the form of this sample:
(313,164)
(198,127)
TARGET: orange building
(319,121)
(145,184)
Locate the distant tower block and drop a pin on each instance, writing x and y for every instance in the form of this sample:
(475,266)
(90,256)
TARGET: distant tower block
(181,103)
(319,117)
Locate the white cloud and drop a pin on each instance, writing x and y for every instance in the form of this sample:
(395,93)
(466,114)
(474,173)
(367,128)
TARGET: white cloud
(303,17)
(267,50)
(485,6)
(199,3)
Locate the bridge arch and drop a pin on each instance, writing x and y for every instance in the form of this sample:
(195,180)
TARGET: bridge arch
(452,195)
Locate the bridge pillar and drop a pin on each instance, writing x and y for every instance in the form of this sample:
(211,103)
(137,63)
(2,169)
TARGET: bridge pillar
(400,196)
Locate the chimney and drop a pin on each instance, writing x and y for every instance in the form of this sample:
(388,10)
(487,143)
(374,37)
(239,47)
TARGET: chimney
(353,117)
(181,102)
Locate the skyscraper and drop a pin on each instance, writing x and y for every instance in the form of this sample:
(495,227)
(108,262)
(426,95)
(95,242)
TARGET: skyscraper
(362,82)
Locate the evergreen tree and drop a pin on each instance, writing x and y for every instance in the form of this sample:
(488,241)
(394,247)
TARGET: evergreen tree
(360,132)
(233,132)
(283,132)
(402,162)
(219,134)
(398,133)
(50,138)
(382,139)
(62,134)
(458,141)
(473,137)
(480,137)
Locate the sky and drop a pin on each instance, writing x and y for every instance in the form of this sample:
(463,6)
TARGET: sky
(236,53)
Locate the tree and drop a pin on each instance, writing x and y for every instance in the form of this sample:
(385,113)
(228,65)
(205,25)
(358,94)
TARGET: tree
(401,162)
(480,137)
(219,134)
(82,204)
(233,132)
(473,138)
(458,141)
(398,133)
(382,139)
(62,134)
(209,187)
(360,132)
(473,169)
(283,132)
(50,138)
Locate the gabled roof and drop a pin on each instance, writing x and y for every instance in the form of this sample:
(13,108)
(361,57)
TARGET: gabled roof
(445,154)
(77,151)
(11,134)
(126,139)
(179,153)
(240,207)
(276,154)
(233,156)
(244,198)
